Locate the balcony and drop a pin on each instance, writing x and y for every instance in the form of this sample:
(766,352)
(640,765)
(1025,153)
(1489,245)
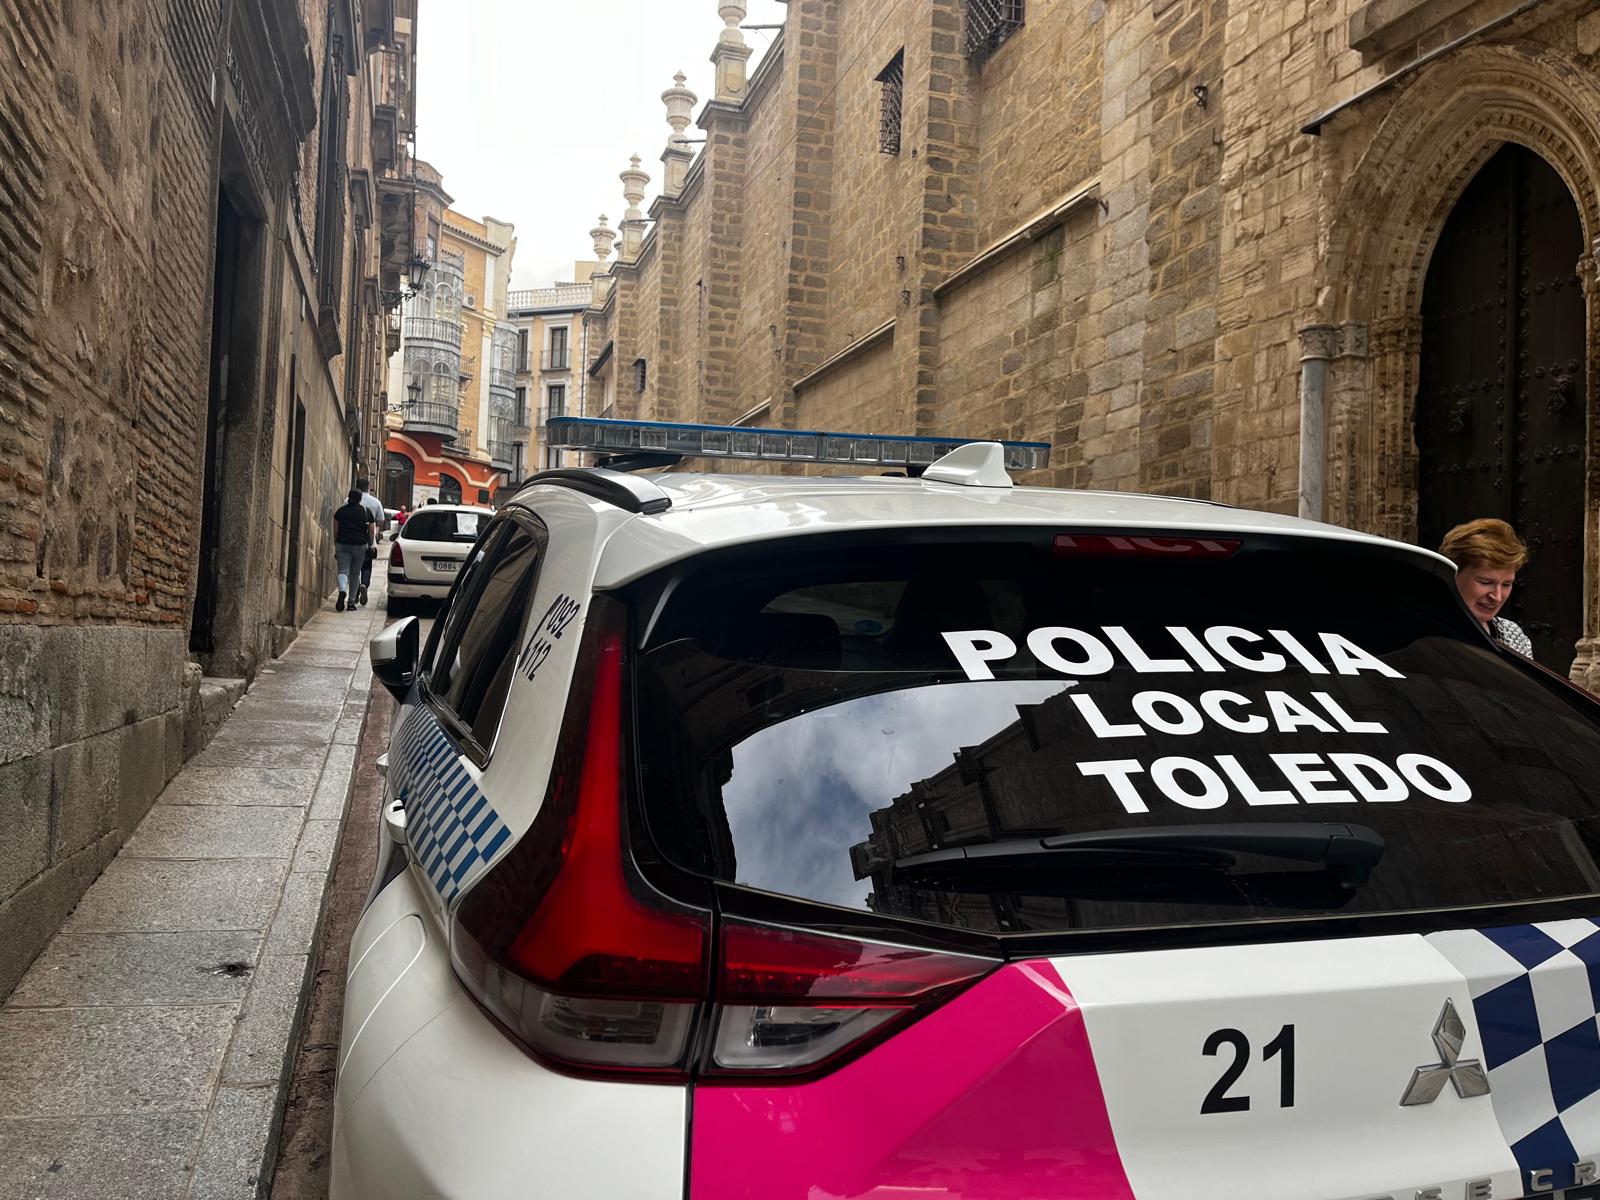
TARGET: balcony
(432,416)
(502,455)
(501,379)
(519,422)
(555,360)
(433,330)
(525,363)
(391,117)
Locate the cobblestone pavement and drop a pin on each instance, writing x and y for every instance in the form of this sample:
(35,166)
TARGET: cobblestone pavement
(146,1052)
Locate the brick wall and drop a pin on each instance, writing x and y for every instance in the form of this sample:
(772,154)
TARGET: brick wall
(111,152)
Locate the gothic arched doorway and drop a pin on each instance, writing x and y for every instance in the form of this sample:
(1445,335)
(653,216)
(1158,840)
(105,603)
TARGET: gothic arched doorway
(1500,413)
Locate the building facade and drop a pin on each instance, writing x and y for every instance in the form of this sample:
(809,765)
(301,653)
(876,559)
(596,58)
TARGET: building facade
(451,380)
(198,205)
(1228,249)
(550,357)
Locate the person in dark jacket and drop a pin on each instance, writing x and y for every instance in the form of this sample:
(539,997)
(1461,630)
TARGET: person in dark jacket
(1488,554)
(353,531)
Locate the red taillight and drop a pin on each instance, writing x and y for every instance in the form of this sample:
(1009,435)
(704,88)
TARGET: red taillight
(396,558)
(591,932)
(790,1001)
(599,973)
(1095,545)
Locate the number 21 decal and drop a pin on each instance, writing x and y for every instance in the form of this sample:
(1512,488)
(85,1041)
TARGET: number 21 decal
(1281,1048)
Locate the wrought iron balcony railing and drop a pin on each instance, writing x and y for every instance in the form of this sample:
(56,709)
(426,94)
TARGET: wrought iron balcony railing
(501,455)
(432,416)
(502,379)
(432,329)
(555,360)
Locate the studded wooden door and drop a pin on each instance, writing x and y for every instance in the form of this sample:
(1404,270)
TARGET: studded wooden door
(1500,405)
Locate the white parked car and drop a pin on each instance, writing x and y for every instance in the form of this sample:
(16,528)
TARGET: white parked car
(783,838)
(428,551)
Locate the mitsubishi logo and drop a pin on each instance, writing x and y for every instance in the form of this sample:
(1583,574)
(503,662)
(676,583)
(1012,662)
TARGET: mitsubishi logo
(1468,1076)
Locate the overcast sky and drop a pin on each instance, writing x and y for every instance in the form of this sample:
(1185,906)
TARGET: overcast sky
(530,108)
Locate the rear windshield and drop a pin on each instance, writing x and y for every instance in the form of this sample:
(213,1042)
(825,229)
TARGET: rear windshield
(425,526)
(819,724)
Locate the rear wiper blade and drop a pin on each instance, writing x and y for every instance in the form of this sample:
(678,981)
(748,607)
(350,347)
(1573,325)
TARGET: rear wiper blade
(1349,852)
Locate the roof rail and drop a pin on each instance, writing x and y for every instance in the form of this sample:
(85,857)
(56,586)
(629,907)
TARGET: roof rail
(630,493)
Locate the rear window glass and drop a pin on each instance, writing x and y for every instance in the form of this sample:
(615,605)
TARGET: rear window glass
(425,526)
(823,725)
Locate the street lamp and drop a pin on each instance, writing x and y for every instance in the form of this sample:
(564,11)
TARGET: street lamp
(416,272)
(414,390)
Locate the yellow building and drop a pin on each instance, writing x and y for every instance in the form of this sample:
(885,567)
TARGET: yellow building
(451,384)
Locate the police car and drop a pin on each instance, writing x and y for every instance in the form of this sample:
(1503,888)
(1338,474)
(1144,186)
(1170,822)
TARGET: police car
(917,834)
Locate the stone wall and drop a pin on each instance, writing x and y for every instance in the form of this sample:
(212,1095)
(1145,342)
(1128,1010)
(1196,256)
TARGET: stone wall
(1120,231)
(118,125)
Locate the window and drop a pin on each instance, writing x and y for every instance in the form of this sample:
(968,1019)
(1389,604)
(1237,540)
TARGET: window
(522,406)
(477,651)
(558,400)
(431,524)
(449,490)
(641,374)
(893,79)
(813,716)
(329,238)
(989,23)
(522,350)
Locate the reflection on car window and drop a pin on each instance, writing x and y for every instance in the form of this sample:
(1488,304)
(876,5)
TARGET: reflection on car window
(803,734)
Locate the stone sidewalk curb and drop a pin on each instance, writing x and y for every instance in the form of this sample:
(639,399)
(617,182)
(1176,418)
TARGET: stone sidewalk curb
(147,1051)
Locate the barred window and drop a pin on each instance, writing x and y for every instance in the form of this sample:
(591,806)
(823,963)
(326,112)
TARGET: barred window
(893,79)
(641,377)
(989,23)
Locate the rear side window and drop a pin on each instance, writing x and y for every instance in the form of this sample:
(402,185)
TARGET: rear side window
(472,671)
(824,724)
(427,526)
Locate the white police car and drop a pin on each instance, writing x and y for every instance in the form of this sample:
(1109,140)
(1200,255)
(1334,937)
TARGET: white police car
(787,838)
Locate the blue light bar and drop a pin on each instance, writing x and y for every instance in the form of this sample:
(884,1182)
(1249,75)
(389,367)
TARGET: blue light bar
(599,435)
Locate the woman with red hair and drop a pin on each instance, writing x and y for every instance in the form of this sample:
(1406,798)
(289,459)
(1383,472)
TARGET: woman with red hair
(1488,554)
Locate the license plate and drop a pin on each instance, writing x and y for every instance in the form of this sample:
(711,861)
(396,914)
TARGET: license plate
(448,565)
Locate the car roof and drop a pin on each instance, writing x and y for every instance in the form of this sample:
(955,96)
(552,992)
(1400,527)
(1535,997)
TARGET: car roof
(479,508)
(711,511)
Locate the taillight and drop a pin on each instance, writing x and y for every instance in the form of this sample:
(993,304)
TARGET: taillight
(790,1001)
(599,973)
(562,942)
(396,558)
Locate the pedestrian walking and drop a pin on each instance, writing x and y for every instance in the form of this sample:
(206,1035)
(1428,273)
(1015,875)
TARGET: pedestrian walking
(374,506)
(353,531)
(1488,554)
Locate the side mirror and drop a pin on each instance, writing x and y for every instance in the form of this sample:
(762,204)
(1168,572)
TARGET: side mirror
(394,654)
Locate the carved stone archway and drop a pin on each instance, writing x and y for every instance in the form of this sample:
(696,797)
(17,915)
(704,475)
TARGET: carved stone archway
(1384,225)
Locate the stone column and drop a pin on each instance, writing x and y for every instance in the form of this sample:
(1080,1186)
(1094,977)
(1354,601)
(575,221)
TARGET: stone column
(1586,664)
(1348,453)
(677,157)
(731,53)
(1317,344)
(633,220)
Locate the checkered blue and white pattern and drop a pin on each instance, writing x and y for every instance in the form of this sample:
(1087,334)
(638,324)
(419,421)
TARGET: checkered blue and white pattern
(453,829)
(1536,995)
